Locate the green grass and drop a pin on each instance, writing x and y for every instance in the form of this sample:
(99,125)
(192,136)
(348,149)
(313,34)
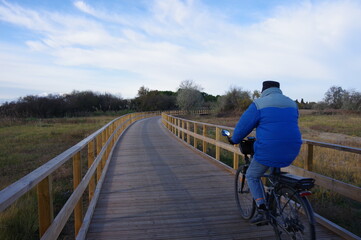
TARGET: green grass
(24,146)
(20,220)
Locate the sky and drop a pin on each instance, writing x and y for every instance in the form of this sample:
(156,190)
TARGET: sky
(117,46)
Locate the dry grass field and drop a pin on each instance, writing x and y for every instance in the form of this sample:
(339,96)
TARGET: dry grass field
(24,146)
(27,144)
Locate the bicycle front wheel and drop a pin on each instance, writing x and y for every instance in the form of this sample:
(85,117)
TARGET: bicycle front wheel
(292,215)
(244,199)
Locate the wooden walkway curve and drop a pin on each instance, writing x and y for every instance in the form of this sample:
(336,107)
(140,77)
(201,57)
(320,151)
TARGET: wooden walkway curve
(157,188)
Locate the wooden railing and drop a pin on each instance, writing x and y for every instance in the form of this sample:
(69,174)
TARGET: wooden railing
(98,147)
(205,133)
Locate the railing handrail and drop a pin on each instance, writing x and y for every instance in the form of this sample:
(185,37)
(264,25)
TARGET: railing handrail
(307,141)
(333,146)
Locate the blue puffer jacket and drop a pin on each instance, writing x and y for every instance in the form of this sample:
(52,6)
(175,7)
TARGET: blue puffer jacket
(278,138)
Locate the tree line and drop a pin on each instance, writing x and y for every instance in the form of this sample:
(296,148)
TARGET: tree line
(74,104)
(189,96)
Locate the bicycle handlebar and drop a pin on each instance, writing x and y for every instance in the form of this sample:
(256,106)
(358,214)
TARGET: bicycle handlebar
(246,145)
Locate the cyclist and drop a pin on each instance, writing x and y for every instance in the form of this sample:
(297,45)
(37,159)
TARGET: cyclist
(278,143)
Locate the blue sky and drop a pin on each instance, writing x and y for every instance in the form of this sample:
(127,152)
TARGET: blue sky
(118,46)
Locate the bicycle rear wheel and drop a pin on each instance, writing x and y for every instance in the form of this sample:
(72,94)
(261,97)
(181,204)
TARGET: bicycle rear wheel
(245,202)
(292,215)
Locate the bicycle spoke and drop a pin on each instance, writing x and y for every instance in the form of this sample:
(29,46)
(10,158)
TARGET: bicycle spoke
(291,217)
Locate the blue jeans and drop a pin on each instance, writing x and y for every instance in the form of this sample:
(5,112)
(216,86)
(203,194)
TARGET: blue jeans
(254,173)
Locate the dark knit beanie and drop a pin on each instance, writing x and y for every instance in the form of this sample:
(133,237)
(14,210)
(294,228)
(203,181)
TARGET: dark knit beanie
(269,84)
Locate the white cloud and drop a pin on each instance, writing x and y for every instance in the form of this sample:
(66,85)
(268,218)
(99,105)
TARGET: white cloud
(102,15)
(176,40)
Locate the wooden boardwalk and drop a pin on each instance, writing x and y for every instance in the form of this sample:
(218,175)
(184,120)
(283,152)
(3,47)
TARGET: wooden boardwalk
(157,188)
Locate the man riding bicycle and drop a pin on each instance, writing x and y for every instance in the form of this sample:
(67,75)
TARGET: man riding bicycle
(278,143)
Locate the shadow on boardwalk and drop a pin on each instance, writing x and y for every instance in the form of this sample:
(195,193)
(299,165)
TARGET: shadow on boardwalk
(157,188)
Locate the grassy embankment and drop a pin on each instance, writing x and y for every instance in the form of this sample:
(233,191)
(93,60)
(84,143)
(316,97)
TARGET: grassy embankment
(337,129)
(26,145)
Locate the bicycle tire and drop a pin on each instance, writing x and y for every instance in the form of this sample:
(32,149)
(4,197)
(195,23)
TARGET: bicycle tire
(244,199)
(292,215)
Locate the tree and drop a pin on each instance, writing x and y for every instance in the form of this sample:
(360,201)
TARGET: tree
(352,100)
(189,96)
(235,99)
(154,100)
(334,97)
(208,97)
(143,91)
(73,104)
(256,94)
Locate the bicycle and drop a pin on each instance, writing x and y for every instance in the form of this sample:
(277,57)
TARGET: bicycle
(288,209)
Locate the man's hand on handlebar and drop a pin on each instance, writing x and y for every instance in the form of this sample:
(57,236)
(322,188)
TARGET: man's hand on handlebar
(227,134)
(230,141)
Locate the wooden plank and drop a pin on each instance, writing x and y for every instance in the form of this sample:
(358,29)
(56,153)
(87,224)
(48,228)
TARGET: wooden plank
(309,159)
(235,161)
(91,187)
(45,204)
(99,148)
(78,210)
(204,138)
(333,146)
(195,141)
(218,149)
(188,136)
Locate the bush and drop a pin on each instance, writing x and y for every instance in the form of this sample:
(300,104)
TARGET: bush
(234,100)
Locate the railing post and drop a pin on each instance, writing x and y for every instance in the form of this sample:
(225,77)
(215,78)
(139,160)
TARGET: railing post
(175,126)
(90,163)
(103,144)
(218,149)
(195,132)
(204,142)
(188,136)
(99,148)
(45,204)
(183,128)
(174,121)
(78,210)
(309,160)
(111,132)
(107,136)
(235,161)
(172,124)
(179,124)
(167,117)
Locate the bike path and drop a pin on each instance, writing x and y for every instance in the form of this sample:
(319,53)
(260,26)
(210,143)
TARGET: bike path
(157,188)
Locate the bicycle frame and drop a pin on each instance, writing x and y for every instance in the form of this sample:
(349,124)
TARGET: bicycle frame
(288,210)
